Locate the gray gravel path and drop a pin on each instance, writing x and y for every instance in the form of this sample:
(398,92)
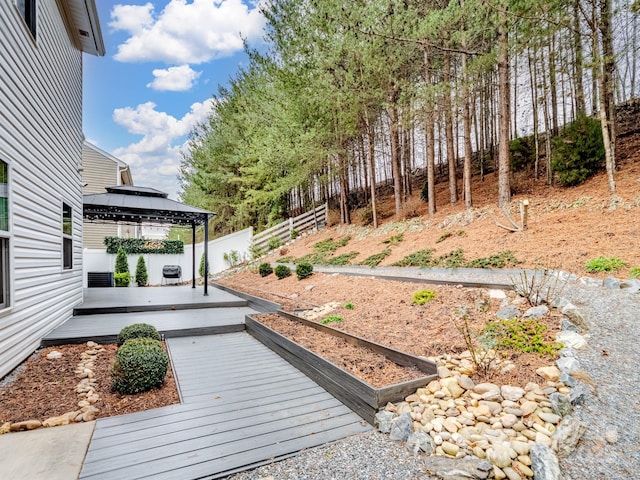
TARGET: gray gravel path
(610,448)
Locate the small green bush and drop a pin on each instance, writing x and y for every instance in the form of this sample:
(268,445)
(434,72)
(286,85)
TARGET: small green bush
(453,259)
(375,259)
(349,306)
(137,330)
(274,242)
(122,279)
(140,365)
(394,240)
(522,153)
(344,259)
(201,266)
(256,251)
(423,296)
(332,319)
(522,335)
(421,258)
(293,234)
(265,269)
(444,236)
(232,258)
(141,272)
(288,259)
(499,260)
(282,271)
(604,264)
(634,272)
(579,152)
(304,270)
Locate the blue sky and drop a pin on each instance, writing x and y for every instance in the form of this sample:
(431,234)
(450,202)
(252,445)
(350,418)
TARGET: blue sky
(164,62)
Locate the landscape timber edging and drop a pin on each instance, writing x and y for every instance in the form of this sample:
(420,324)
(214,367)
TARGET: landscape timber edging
(358,395)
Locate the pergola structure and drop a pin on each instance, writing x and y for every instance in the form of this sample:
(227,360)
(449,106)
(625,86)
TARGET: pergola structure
(138,205)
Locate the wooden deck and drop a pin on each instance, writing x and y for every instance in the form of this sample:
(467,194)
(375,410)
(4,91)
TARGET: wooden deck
(243,406)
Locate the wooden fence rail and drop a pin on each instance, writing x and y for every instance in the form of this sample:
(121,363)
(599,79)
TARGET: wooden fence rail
(313,219)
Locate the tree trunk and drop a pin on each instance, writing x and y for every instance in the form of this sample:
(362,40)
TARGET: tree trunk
(577,46)
(430,139)
(466,128)
(608,81)
(448,126)
(504,189)
(395,156)
(533,76)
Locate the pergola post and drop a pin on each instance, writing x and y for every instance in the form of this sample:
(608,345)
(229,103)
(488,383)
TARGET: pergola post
(193,254)
(206,253)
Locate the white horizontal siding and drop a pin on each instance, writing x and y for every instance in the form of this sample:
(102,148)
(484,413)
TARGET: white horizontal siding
(41,139)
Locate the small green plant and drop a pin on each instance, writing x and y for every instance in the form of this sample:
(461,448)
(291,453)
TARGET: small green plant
(453,259)
(201,267)
(526,336)
(141,272)
(282,271)
(332,319)
(122,279)
(444,236)
(140,365)
(374,260)
(274,242)
(634,272)
(256,251)
(423,296)
(137,330)
(265,269)
(286,260)
(604,264)
(349,306)
(499,260)
(479,346)
(421,258)
(461,233)
(304,270)
(394,240)
(330,245)
(344,259)
(293,234)
(232,258)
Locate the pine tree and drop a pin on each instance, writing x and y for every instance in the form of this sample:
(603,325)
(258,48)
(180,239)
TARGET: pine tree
(122,265)
(141,272)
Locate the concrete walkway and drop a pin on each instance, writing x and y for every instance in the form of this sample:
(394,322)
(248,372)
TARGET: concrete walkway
(47,453)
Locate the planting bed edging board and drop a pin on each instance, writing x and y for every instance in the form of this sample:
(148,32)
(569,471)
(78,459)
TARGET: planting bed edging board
(358,395)
(257,303)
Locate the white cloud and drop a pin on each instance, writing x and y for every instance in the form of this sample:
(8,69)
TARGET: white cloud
(174,79)
(184,32)
(155,159)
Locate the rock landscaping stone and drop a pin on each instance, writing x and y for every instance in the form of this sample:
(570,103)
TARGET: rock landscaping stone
(508,312)
(567,435)
(568,364)
(455,469)
(612,283)
(384,420)
(611,436)
(551,374)
(571,339)
(536,312)
(511,393)
(566,325)
(560,404)
(575,316)
(402,428)
(631,285)
(421,441)
(26,425)
(54,354)
(544,463)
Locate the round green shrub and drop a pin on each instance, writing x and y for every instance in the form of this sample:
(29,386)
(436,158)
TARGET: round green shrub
(282,271)
(265,269)
(423,296)
(140,365)
(141,272)
(274,242)
(137,330)
(304,270)
(122,279)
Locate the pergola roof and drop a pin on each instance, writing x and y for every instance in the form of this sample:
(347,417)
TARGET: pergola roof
(131,204)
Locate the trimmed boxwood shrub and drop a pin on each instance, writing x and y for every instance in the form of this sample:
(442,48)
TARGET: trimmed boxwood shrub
(282,271)
(137,330)
(265,269)
(304,270)
(140,365)
(122,279)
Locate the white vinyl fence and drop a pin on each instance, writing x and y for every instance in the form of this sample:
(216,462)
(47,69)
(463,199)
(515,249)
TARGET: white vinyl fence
(313,219)
(99,261)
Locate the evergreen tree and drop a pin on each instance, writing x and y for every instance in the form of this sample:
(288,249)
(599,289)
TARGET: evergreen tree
(201,269)
(141,272)
(122,265)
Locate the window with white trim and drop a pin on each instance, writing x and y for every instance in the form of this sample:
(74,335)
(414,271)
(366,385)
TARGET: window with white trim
(27,9)
(4,235)
(67,237)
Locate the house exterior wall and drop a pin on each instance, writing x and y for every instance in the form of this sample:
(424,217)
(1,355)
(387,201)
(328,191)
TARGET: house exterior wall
(101,170)
(41,141)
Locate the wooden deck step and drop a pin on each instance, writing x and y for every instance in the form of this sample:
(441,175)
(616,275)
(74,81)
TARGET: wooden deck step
(243,406)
